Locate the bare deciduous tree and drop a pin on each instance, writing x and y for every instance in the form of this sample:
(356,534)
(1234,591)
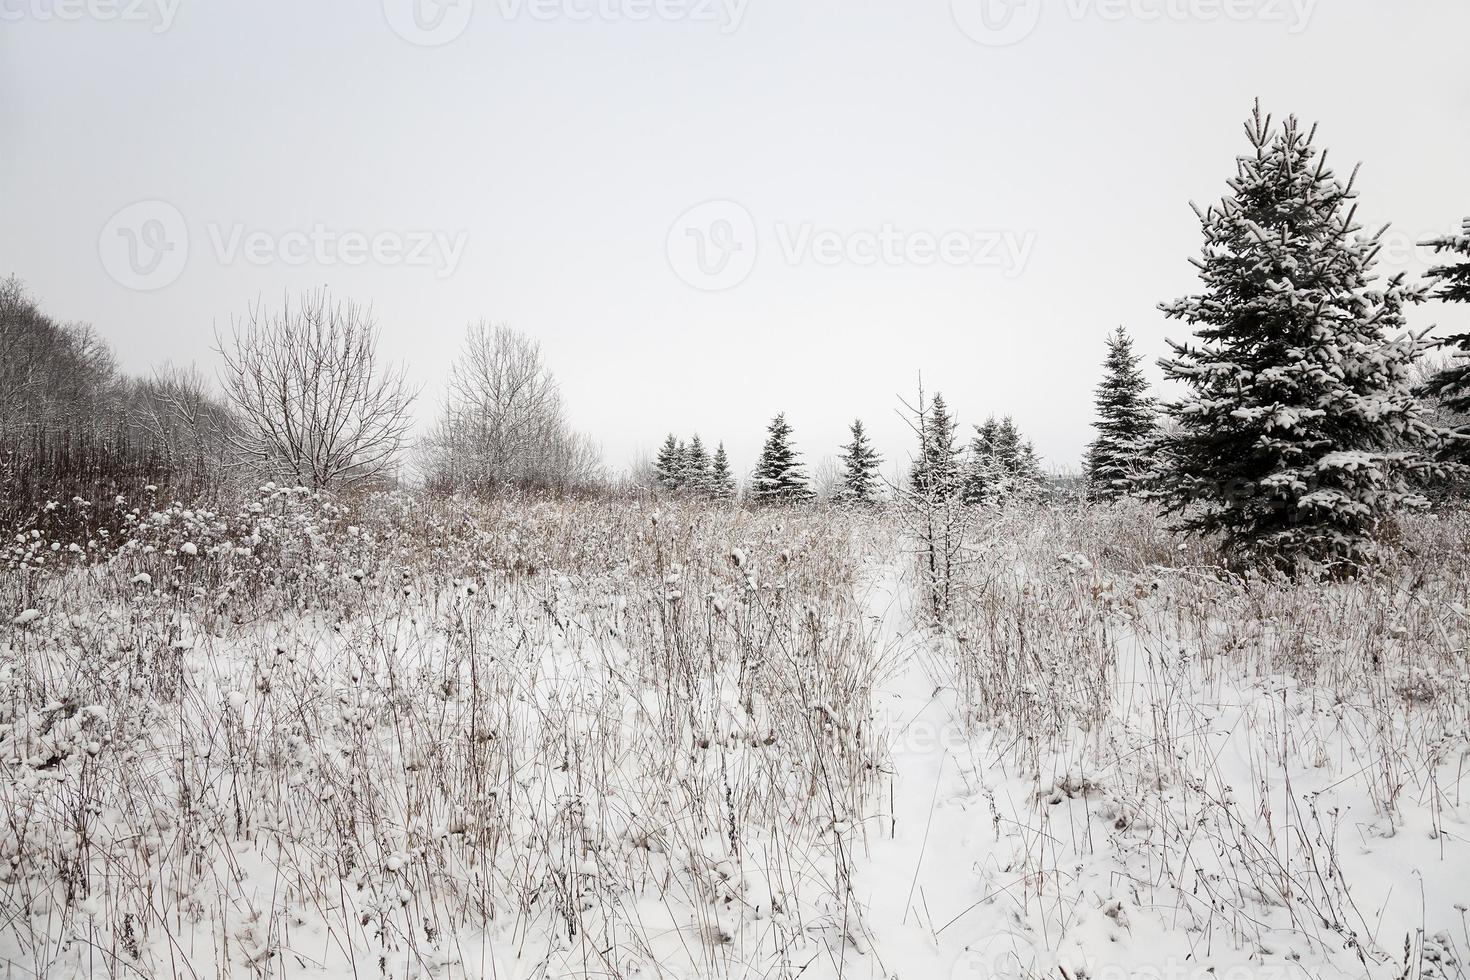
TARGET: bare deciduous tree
(504,424)
(313,406)
(53,376)
(826,479)
(184,419)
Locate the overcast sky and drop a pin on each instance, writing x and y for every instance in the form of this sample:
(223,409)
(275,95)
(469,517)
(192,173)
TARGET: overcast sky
(707,211)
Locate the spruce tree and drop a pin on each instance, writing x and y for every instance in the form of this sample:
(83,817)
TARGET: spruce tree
(860,464)
(669,468)
(937,466)
(696,466)
(1285,444)
(1452,280)
(982,474)
(779,476)
(1029,481)
(721,478)
(1451,386)
(1019,469)
(1002,465)
(1125,422)
(1008,446)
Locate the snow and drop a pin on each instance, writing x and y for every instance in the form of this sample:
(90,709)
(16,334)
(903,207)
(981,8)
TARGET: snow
(1102,769)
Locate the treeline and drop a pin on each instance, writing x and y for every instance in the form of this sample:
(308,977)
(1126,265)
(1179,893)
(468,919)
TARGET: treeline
(994,465)
(301,398)
(72,424)
(1310,416)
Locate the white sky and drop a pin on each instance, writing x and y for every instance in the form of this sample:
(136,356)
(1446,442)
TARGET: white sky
(560,142)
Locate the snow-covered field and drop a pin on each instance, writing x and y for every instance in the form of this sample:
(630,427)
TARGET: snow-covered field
(412,738)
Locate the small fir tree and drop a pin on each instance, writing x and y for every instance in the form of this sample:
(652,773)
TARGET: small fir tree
(1030,480)
(936,468)
(696,467)
(1125,422)
(721,478)
(860,462)
(669,467)
(779,476)
(982,471)
(1002,465)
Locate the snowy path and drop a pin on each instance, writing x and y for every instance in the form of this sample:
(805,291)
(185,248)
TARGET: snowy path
(929,867)
(946,875)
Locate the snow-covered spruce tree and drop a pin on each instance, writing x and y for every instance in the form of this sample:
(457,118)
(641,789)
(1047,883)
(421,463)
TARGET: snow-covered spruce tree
(1452,280)
(1002,466)
(669,467)
(779,476)
(860,462)
(1018,462)
(1450,387)
(937,466)
(1029,481)
(696,466)
(1289,443)
(982,471)
(1125,422)
(721,477)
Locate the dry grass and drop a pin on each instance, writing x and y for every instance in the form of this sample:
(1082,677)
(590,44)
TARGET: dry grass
(409,737)
(1225,755)
(412,735)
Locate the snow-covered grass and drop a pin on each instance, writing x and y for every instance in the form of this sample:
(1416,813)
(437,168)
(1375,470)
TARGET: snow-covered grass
(411,737)
(1184,769)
